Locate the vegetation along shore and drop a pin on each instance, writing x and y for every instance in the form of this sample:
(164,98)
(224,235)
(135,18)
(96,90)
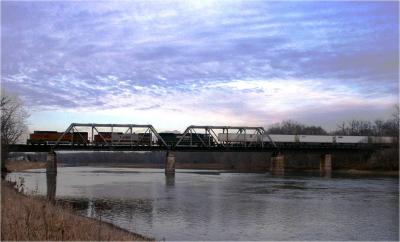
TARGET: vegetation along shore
(34,218)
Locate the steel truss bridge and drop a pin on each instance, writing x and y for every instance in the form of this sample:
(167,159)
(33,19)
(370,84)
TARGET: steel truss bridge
(194,138)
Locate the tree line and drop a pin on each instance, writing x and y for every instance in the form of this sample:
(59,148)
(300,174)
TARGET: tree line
(379,127)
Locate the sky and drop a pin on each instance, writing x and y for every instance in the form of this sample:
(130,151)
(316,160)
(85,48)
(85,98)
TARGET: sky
(177,63)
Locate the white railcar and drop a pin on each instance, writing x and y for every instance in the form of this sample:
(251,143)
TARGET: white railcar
(315,139)
(382,140)
(351,139)
(238,138)
(124,138)
(280,138)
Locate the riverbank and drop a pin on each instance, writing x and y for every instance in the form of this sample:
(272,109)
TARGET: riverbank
(33,218)
(21,165)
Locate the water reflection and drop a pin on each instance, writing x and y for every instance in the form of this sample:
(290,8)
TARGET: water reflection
(51,180)
(195,205)
(277,173)
(115,211)
(326,174)
(170,179)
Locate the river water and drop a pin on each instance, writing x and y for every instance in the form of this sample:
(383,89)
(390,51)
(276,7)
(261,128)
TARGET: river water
(217,205)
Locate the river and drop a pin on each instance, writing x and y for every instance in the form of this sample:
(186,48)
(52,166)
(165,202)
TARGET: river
(217,205)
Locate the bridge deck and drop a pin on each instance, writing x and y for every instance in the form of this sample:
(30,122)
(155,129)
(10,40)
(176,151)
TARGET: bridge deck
(47,148)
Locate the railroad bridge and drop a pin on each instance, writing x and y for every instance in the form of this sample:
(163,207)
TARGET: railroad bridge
(124,137)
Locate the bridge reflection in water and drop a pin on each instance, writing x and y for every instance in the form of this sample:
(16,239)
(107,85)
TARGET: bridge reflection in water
(170,180)
(230,206)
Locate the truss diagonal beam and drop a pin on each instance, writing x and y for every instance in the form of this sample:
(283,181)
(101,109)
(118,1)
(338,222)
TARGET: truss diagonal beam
(79,133)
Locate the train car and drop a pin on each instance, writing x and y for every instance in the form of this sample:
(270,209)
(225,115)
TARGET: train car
(51,137)
(281,138)
(316,139)
(124,139)
(79,137)
(350,139)
(169,138)
(196,140)
(119,138)
(102,138)
(43,137)
(239,138)
(145,139)
(381,140)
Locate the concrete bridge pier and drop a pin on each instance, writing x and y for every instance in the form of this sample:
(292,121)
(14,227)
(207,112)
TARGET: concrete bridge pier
(51,180)
(51,163)
(325,165)
(170,163)
(277,166)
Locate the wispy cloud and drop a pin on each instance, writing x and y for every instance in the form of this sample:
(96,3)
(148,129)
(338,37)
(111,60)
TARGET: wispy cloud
(242,62)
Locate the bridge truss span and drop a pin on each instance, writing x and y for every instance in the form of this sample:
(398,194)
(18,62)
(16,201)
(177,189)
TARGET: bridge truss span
(224,136)
(144,137)
(110,135)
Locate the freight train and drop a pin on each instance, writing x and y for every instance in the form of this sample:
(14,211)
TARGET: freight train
(199,140)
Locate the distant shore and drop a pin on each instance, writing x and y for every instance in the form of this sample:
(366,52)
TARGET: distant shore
(34,218)
(22,165)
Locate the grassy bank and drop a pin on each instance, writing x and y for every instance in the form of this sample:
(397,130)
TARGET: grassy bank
(21,165)
(32,218)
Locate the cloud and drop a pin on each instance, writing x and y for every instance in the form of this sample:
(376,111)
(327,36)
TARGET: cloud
(239,102)
(233,62)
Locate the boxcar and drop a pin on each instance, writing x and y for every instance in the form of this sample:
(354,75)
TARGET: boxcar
(351,139)
(119,138)
(238,138)
(281,138)
(319,139)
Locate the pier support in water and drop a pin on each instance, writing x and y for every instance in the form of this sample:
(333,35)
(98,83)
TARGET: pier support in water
(51,180)
(325,165)
(170,163)
(51,163)
(277,166)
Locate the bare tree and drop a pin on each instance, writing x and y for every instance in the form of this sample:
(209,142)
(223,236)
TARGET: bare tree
(389,127)
(13,123)
(293,127)
(396,115)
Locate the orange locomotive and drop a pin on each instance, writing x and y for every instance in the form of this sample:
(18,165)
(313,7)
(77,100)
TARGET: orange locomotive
(50,137)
